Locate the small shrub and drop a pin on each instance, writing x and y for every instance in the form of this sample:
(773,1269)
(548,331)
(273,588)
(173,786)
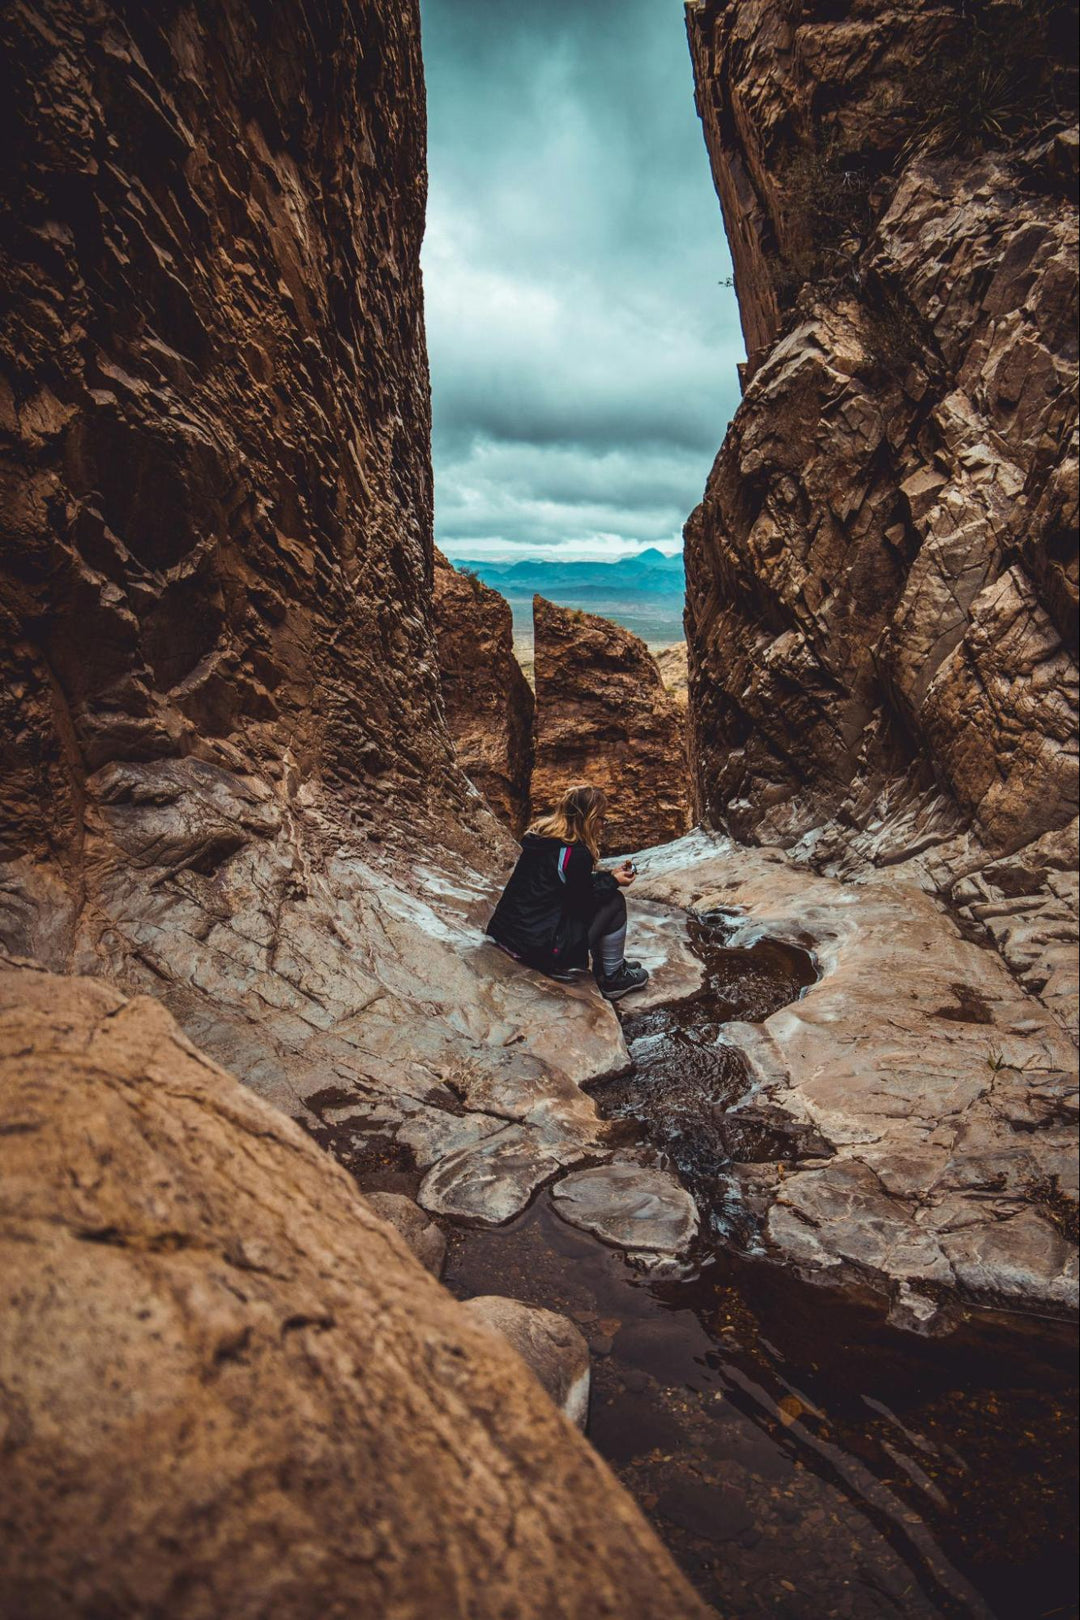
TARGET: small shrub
(827,197)
(1010,70)
(898,335)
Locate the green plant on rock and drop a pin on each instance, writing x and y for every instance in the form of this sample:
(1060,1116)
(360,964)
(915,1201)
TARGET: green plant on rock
(827,212)
(1010,70)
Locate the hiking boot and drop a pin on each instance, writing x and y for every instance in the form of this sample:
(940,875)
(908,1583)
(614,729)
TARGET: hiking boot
(623,981)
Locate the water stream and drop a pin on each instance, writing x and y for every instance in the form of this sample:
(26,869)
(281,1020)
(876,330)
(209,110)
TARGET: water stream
(799,1457)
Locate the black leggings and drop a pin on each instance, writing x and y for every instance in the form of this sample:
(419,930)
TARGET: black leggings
(609,918)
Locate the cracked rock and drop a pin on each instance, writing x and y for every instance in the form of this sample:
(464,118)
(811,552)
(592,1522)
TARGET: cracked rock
(491,1181)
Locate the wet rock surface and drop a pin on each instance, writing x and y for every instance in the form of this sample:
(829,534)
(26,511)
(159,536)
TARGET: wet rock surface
(691,1091)
(799,1453)
(799,1456)
(878,1131)
(221,1361)
(604,716)
(882,577)
(489,703)
(490,1181)
(631,1207)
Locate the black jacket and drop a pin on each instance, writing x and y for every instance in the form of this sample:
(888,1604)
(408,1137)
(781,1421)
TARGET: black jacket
(548,904)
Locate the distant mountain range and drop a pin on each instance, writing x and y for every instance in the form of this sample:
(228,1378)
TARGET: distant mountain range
(645,593)
(650,573)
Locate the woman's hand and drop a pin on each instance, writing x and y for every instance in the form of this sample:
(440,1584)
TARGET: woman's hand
(624,875)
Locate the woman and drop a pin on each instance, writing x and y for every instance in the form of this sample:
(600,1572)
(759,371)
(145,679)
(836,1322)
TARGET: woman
(556,909)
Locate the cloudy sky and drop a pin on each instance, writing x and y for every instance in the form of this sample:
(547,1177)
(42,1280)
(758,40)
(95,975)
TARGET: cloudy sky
(583,348)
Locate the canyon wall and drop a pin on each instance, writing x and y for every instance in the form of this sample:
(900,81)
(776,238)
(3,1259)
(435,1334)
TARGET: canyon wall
(882,577)
(489,703)
(222,737)
(217,552)
(603,715)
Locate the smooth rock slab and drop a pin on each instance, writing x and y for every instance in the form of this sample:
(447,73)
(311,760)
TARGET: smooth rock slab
(490,1182)
(423,1237)
(630,1207)
(549,1344)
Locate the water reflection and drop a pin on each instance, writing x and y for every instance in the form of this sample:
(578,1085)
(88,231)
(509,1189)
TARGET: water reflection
(800,1457)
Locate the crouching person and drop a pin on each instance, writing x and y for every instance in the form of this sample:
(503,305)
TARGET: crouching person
(557,910)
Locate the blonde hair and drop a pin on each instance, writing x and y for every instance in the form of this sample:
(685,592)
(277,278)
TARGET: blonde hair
(577,820)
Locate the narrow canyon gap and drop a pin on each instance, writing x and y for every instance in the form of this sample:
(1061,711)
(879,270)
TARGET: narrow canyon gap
(248,721)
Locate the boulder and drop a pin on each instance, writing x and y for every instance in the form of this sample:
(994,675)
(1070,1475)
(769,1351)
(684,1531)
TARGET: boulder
(489,702)
(422,1236)
(229,1389)
(631,1207)
(604,716)
(549,1344)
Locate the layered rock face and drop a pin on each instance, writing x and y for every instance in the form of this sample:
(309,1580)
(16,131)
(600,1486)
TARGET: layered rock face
(489,703)
(217,549)
(882,578)
(229,1388)
(225,777)
(604,716)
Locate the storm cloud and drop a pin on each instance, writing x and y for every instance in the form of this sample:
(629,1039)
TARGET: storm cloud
(583,345)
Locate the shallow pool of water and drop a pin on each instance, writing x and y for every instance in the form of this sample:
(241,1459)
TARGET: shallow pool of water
(798,1456)
(685,1080)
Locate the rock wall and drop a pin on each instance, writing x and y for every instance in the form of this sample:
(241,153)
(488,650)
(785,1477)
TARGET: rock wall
(489,703)
(217,555)
(223,756)
(213,251)
(882,577)
(603,716)
(229,1389)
